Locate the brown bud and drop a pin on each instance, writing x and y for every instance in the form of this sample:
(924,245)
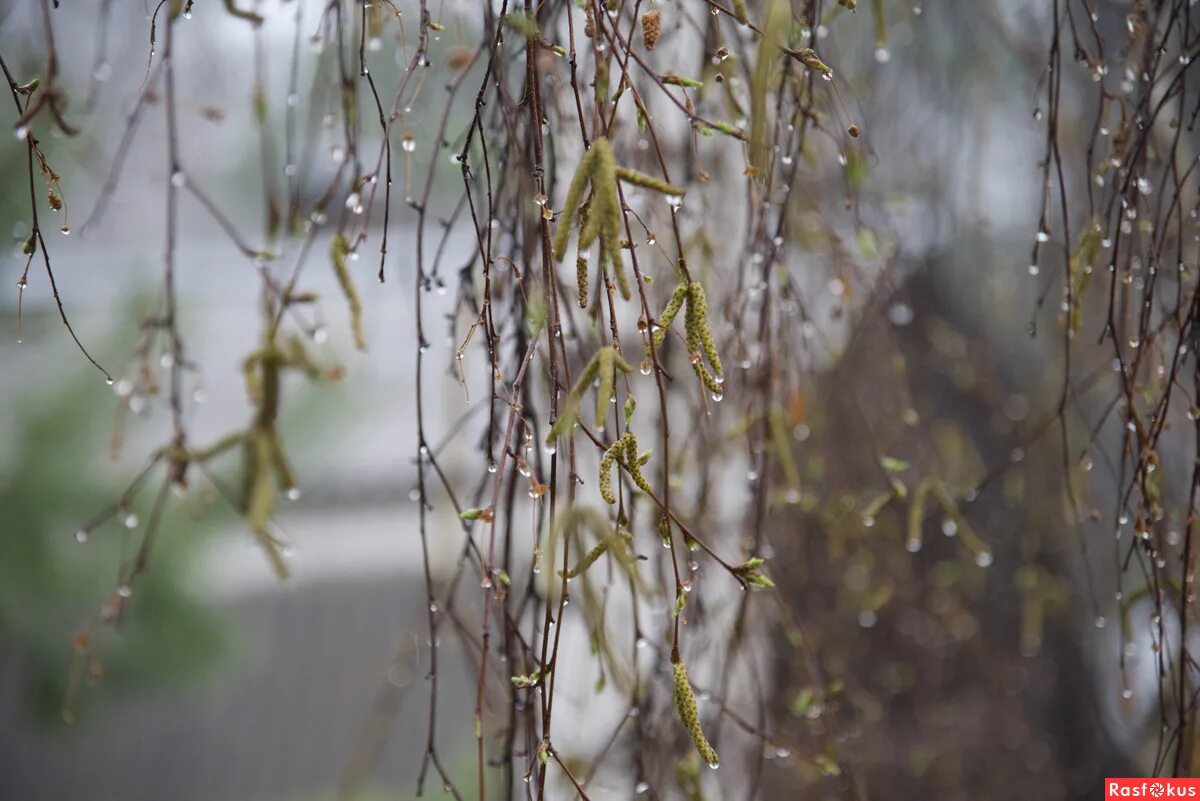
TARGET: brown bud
(853,131)
(459,58)
(651,27)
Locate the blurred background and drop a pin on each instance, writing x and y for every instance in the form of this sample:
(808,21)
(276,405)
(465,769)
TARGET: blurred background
(223,683)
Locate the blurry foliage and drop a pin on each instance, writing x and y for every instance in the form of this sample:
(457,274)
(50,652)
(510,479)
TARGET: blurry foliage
(49,582)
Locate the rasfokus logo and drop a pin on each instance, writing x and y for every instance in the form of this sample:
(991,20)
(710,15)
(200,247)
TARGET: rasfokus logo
(1151,788)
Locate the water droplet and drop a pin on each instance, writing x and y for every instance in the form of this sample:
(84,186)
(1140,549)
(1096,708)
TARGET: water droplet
(983,558)
(882,55)
(21,132)
(178,179)
(131,520)
(900,314)
(293,493)
(81,535)
(912,546)
(103,71)
(125,591)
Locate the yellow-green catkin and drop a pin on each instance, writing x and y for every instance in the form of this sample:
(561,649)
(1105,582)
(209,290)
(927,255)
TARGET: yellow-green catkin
(608,380)
(602,218)
(622,452)
(338,251)
(589,558)
(606,464)
(581,278)
(648,182)
(634,462)
(583,174)
(618,265)
(604,212)
(700,339)
(608,362)
(739,12)
(616,543)
(570,408)
(698,301)
(668,314)
(685,704)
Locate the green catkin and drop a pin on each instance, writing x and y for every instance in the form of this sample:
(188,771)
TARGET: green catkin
(809,58)
(739,12)
(699,302)
(685,704)
(589,558)
(581,278)
(606,464)
(668,314)
(616,543)
(633,463)
(700,339)
(570,408)
(706,378)
(648,182)
(618,265)
(583,174)
(620,363)
(567,416)
(608,380)
(605,210)
(338,251)
(622,452)
(589,223)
